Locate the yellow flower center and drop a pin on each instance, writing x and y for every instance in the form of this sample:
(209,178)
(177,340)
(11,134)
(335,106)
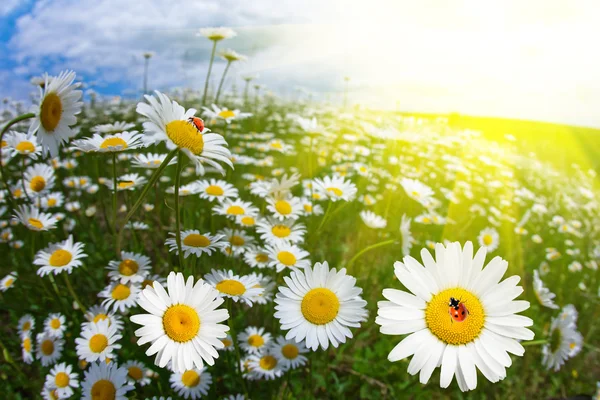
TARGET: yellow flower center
(25,147)
(135,373)
(8,282)
(103,390)
(3,144)
(190,378)
(281,231)
(27,345)
(261,258)
(61,380)
(128,267)
(277,145)
(181,323)
(100,317)
(248,221)
(214,190)
(237,240)
(290,351)
(444,327)
(37,184)
(487,239)
(286,258)
(283,207)
(226,114)
(98,343)
(231,287)
(196,240)
(36,223)
(336,191)
(121,292)
(320,306)
(185,136)
(256,340)
(308,208)
(47,347)
(51,202)
(268,362)
(53,395)
(26,326)
(125,184)
(235,210)
(147,282)
(50,112)
(60,258)
(226,342)
(55,323)
(113,142)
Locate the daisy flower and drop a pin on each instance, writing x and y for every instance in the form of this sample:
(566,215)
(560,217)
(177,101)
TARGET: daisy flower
(477,333)
(268,284)
(8,281)
(287,255)
(273,231)
(25,325)
(235,208)
(33,219)
(217,34)
(59,103)
(126,182)
(49,349)
(109,144)
(543,294)
(105,381)
(334,188)
(564,340)
(216,190)
(26,348)
(119,296)
(151,160)
(254,340)
(216,113)
(169,122)
(417,191)
(149,281)
(63,380)
(39,179)
(284,208)
(406,234)
(310,208)
(23,144)
(98,341)
(264,366)
(373,220)
(136,373)
(238,241)
(115,127)
(319,305)
(256,257)
(489,238)
(133,267)
(289,353)
(55,325)
(183,324)
(185,190)
(239,288)
(228,343)
(196,243)
(97,313)
(59,257)
(192,383)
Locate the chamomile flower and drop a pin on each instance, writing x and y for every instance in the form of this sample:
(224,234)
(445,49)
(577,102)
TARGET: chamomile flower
(238,241)
(25,325)
(132,267)
(224,114)
(169,122)
(151,160)
(49,349)
(373,220)
(26,348)
(98,341)
(334,188)
(254,340)
(105,381)
(543,294)
(59,257)
(63,380)
(284,208)
(120,296)
(38,179)
(196,243)
(23,144)
(286,255)
(238,288)
(55,325)
(110,143)
(310,208)
(235,208)
(264,366)
(564,342)
(274,231)
(318,306)
(289,353)
(97,313)
(8,281)
(489,238)
(150,279)
(216,190)
(33,219)
(136,373)
(417,191)
(126,182)
(59,103)
(183,324)
(217,34)
(256,257)
(481,333)
(192,383)
(185,190)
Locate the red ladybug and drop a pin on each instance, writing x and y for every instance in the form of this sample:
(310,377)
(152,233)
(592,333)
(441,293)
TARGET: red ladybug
(197,122)
(457,310)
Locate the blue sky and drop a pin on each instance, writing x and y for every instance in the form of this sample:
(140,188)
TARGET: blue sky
(530,60)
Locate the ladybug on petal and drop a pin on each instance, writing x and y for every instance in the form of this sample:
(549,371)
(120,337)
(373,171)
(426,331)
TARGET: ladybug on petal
(457,310)
(197,122)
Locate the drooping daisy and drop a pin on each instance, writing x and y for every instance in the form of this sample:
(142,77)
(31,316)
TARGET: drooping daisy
(564,342)
(25,325)
(417,191)
(216,190)
(287,255)
(235,208)
(476,334)
(105,381)
(284,208)
(151,160)
(149,281)
(97,313)
(238,241)
(318,306)
(239,288)
(8,281)
(110,143)
(183,324)
(196,243)
(256,257)
(289,353)
(334,188)
(264,366)
(120,296)
(373,220)
(33,219)
(169,122)
(63,380)
(23,144)
(58,106)
(192,383)
(55,325)
(59,257)
(49,349)
(489,238)
(254,340)
(98,341)
(133,267)
(274,231)
(27,348)
(136,373)
(126,182)
(543,294)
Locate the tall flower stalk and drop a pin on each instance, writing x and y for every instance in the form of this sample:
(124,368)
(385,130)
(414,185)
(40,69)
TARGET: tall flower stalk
(230,56)
(215,35)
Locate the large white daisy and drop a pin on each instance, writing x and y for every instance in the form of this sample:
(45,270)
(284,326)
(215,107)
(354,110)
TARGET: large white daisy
(59,257)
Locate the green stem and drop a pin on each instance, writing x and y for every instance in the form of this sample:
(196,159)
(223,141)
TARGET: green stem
(8,358)
(238,358)
(221,82)
(325,216)
(590,347)
(23,181)
(369,248)
(114,198)
(212,57)
(534,342)
(70,287)
(177,212)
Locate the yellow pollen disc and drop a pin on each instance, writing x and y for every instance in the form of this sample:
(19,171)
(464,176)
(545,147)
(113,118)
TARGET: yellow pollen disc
(226,342)
(113,142)
(214,190)
(100,317)
(185,136)
(196,240)
(50,112)
(37,184)
(268,362)
(283,207)
(121,292)
(262,258)
(3,144)
(286,258)
(320,306)
(338,192)
(60,258)
(231,287)
(103,390)
(18,193)
(147,282)
(125,184)
(135,373)
(237,240)
(235,210)
(487,239)
(190,378)
(290,351)
(25,147)
(181,323)
(281,231)
(47,347)
(8,282)
(51,202)
(441,324)
(55,323)
(61,380)
(256,340)
(308,208)
(248,221)
(226,114)
(98,343)
(27,345)
(53,395)
(277,145)
(26,326)
(128,267)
